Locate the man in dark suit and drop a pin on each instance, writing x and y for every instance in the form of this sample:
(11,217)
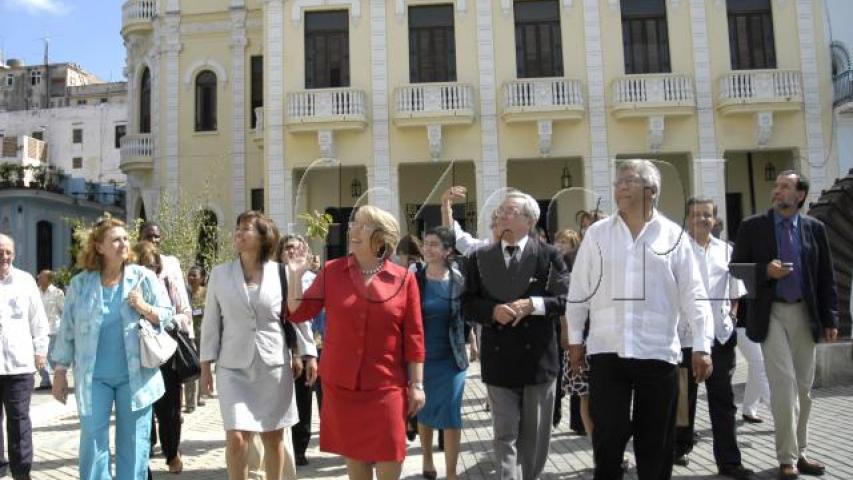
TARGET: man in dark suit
(783,257)
(516,289)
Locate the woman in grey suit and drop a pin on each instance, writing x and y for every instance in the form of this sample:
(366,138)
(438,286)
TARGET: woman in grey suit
(242,333)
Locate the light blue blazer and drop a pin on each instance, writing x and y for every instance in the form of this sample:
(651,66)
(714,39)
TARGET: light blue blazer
(77,340)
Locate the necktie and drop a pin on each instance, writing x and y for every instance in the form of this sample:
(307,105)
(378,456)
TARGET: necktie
(789,287)
(513,261)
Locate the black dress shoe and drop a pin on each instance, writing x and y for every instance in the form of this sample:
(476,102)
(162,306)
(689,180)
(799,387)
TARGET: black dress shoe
(738,472)
(810,467)
(429,474)
(682,460)
(301,460)
(751,419)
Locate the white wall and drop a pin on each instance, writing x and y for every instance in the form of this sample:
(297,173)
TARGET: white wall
(100,157)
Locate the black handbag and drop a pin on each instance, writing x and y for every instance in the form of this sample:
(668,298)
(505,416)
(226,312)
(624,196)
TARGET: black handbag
(185,362)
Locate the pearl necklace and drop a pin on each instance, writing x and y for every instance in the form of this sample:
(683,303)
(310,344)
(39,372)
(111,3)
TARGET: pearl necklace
(373,271)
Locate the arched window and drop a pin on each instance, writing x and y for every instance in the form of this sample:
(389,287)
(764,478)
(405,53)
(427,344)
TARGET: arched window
(205,102)
(145,102)
(44,245)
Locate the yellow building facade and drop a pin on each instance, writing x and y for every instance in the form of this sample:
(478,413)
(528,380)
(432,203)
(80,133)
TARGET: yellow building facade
(275,104)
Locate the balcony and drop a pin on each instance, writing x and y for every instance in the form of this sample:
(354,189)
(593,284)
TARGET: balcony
(752,91)
(660,94)
(425,104)
(536,99)
(136,15)
(326,109)
(137,153)
(843,89)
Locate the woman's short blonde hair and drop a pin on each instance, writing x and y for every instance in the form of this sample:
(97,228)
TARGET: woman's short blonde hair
(88,257)
(569,236)
(387,233)
(147,255)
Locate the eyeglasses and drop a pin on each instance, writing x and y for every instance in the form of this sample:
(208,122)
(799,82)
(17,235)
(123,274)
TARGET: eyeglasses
(434,244)
(508,212)
(628,182)
(244,229)
(355,226)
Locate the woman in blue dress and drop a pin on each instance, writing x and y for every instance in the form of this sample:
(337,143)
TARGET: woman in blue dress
(441,287)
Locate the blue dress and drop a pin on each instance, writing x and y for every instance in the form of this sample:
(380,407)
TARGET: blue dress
(444,382)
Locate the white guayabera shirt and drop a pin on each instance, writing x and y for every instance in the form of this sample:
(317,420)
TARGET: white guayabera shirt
(23,323)
(54,302)
(633,291)
(722,287)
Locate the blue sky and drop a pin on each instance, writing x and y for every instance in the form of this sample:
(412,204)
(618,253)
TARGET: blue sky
(86,32)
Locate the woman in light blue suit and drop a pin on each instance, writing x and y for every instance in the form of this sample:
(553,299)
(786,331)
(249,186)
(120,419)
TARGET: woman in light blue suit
(99,337)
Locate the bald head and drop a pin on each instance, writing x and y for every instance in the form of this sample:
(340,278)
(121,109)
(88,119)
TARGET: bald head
(7,254)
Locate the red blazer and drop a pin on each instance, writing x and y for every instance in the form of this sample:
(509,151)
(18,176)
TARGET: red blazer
(372,332)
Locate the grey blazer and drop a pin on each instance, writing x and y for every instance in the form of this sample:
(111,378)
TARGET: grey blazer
(231,333)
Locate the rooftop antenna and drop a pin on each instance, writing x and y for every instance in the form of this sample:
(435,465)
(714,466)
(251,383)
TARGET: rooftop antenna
(46,78)
(2,51)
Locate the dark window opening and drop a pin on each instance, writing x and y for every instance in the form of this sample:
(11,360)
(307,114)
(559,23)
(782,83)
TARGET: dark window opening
(44,246)
(121,131)
(327,49)
(258,199)
(77,135)
(751,42)
(538,44)
(77,162)
(205,102)
(145,102)
(257,87)
(645,39)
(432,44)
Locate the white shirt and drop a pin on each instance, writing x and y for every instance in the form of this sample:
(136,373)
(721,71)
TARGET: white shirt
(54,302)
(306,346)
(722,288)
(538,302)
(172,269)
(633,289)
(465,242)
(23,323)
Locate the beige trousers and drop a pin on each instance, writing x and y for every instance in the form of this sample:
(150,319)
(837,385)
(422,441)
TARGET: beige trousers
(789,358)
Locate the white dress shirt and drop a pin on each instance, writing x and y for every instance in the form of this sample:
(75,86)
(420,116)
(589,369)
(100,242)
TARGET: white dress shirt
(633,290)
(23,323)
(306,346)
(722,287)
(54,302)
(538,302)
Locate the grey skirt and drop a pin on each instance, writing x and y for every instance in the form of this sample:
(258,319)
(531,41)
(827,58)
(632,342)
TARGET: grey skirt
(259,398)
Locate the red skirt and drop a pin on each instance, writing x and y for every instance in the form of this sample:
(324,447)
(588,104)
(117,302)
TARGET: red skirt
(368,426)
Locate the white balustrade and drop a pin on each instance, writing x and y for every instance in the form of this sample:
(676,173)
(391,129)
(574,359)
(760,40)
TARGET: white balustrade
(134,11)
(843,86)
(761,85)
(435,98)
(326,105)
(542,93)
(137,150)
(655,89)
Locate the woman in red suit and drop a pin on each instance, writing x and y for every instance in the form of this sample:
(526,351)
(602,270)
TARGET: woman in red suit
(373,354)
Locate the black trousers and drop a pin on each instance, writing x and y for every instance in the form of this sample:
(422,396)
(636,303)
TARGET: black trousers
(652,386)
(15,394)
(721,405)
(301,432)
(167,413)
(685,437)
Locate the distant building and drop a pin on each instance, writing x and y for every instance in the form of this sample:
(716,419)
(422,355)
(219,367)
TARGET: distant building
(59,156)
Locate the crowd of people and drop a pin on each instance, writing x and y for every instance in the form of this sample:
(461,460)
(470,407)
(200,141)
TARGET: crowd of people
(627,314)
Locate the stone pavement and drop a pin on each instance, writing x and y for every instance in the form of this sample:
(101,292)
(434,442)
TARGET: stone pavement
(55,436)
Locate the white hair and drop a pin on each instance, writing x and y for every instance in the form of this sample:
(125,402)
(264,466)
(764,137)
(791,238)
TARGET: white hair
(7,238)
(646,170)
(530,207)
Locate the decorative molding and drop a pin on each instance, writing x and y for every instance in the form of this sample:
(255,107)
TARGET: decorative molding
(326,141)
(205,27)
(506,5)
(380,174)
(763,128)
(655,132)
(239,110)
(205,64)
(400,7)
(298,6)
(171,81)
(435,141)
(491,176)
(545,128)
(816,155)
(600,166)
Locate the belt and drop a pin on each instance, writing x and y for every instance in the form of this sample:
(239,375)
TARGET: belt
(782,300)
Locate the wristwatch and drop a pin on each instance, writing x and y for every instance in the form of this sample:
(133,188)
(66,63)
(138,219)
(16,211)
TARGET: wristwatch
(417,385)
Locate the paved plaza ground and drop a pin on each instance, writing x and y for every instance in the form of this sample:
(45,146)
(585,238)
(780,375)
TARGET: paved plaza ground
(55,436)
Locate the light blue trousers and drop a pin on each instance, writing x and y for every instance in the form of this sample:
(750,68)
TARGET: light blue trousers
(133,433)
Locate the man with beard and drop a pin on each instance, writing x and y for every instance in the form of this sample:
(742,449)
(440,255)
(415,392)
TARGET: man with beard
(784,258)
